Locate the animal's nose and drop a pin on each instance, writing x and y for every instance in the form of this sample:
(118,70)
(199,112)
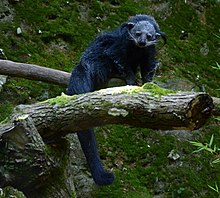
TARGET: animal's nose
(142,42)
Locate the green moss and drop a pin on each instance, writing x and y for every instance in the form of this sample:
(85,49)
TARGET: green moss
(59,100)
(152,88)
(11,192)
(155,90)
(5,110)
(139,159)
(186,53)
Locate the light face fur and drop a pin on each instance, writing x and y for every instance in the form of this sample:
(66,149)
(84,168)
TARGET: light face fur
(143,33)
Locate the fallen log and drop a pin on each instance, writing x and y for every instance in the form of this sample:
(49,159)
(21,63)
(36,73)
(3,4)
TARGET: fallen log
(131,105)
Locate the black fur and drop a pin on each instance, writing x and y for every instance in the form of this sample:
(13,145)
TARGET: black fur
(114,54)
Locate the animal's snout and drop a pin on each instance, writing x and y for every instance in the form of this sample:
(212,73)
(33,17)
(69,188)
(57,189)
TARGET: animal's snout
(142,43)
(142,40)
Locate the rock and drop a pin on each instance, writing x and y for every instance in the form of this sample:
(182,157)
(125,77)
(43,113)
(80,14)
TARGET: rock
(159,188)
(163,9)
(177,84)
(2,81)
(6,12)
(204,50)
(173,155)
(11,192)
(19,31)
(78,167)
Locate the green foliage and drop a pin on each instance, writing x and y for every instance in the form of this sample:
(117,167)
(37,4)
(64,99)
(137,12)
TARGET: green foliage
(207,146)
(10,192)
(217,66)
(215,188)
(130,150)
(188,53)
(5,109)
(213,149)
(139,159)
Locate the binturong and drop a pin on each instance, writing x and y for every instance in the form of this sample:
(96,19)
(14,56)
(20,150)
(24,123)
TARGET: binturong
(118,53)
(144,32)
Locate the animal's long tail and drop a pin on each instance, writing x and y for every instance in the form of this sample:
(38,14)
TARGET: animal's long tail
(80,84)
(88,143)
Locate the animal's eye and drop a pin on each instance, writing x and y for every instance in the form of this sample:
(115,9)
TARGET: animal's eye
(138,33)
(157,35)
(149,37)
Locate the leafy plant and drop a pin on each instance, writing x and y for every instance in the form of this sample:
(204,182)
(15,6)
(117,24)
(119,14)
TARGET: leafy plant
(216,189)
(217,66)
(213,149)
(207,146)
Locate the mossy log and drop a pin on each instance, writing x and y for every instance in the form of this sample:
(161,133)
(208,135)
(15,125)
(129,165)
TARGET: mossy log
(148,106)
(31,155)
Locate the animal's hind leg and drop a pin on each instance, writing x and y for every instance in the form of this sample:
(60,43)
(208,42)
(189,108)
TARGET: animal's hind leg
(89,146)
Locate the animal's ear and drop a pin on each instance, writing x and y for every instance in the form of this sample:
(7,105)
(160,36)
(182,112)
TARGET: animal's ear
(130,25)
(164,37)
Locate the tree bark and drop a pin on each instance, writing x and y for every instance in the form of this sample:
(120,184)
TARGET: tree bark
(34,72)
(35,168)
(129,105)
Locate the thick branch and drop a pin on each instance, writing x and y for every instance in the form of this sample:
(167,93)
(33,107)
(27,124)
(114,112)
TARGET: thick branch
(129,105)
(34,72)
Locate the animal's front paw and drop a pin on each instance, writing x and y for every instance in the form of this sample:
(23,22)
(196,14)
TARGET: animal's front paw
(104,178)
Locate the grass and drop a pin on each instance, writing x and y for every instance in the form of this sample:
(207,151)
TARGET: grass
(213,149)
(139,158)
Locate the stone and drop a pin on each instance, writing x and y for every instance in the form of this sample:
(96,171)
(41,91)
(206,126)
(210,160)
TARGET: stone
(6,12)
(2,81)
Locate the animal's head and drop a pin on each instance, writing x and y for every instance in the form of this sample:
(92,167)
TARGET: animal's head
(144,31)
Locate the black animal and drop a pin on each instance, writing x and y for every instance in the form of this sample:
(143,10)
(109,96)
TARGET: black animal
(114,54)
